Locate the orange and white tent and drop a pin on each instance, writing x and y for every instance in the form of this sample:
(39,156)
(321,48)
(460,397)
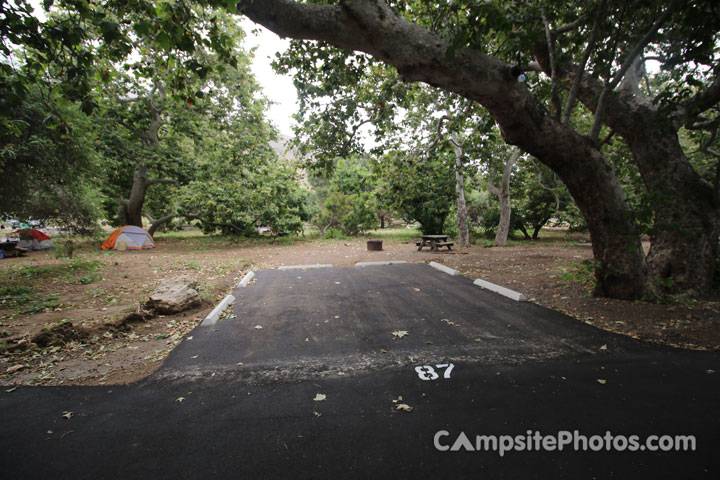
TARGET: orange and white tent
(128,237)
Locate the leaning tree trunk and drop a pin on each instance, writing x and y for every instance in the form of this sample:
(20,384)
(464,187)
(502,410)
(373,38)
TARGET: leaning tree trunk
(157,223)
(462,215)
(684,243)
(537,227)
(620,267)
(503,194)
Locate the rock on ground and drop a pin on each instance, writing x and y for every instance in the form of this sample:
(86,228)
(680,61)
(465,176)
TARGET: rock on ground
(174,295)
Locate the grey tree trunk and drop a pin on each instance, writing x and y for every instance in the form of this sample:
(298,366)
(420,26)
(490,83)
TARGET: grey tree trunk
(503,194)
(462,215)
(131,212)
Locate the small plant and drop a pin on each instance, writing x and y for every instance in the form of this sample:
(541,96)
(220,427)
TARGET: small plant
(89,278)
(66,250)
(16,295)
(78,264)
(14,290)
(35,271)
(96,292)
(582,273)
(37,306)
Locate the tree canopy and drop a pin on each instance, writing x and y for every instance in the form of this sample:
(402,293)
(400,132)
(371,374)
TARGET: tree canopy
(157,101)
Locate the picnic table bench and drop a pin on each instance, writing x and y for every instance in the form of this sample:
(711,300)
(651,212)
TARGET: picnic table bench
(434,242)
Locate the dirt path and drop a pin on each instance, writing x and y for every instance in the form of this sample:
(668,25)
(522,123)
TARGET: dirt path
(97,288)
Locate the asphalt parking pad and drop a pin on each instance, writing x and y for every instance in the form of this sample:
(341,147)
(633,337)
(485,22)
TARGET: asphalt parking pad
(304,323)
(305,398)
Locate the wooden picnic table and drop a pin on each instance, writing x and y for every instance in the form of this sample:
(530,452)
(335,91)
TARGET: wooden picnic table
(9,249)
(434,242)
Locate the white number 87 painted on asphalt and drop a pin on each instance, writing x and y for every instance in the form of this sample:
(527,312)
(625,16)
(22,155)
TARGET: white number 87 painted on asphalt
(426,372)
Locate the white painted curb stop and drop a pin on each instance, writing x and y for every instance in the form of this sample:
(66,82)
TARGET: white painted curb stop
(443,268)
(518,297)
(303,267)
(370,264)
(212,319)
(246,279)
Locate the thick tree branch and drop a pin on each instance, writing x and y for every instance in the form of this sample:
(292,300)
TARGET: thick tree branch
(569,27)
(599,115)
(640,46)
(554,96)
(160,222)
(575,87)
(700,102)
(372,27)
(544,187)
(607,138)
(627,63)
(130,128)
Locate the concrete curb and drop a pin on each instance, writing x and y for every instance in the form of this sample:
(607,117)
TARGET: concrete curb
(518,297)
(371,264)
(246,279)
(303,267)
(443,268)
(212,318)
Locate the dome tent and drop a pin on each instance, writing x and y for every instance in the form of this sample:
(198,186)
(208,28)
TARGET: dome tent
(32,239)
(128,237)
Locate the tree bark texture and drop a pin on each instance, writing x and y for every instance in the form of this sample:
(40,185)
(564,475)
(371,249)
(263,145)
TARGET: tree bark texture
(503,194)
(158,223)
(462,215)
(131,211)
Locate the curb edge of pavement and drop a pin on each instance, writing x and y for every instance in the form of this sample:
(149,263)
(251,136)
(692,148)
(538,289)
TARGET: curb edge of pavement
(213,316)
(443,268)
(506,292)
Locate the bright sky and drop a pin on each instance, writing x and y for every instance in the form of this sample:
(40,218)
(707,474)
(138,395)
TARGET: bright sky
(277,88)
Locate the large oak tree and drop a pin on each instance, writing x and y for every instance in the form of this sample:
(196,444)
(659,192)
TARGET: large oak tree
(407,37)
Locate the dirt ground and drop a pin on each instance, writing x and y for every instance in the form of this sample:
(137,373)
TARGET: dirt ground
(86,297)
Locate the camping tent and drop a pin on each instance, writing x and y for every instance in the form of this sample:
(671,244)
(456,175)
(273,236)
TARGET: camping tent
(31,239)
(128,237)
